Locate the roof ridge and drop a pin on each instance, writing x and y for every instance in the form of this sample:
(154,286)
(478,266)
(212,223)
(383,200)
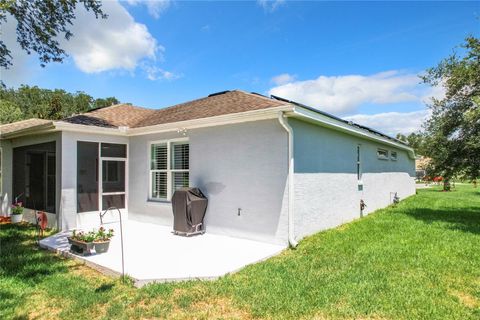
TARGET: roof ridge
(256,94)
(116,106)
(197,99)
(211,95)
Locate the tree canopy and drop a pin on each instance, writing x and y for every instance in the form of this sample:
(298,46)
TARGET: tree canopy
(452,133)
(40,23)
(414,140)
(33,102)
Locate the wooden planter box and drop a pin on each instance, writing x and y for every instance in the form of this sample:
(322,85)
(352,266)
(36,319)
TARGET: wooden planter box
(80,247)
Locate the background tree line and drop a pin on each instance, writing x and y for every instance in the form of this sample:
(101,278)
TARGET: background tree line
(33,102)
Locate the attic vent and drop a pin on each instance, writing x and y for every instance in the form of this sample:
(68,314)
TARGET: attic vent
(218,93)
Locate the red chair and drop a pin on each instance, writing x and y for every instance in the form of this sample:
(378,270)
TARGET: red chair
(42,222)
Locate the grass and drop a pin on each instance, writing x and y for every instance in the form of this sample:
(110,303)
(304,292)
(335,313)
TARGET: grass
(419,260)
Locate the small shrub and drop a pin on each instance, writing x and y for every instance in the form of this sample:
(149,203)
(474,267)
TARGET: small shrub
(17,208)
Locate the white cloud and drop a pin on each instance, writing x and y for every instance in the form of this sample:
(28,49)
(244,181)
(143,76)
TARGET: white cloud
(155,73)
(282,79)
(117,42)
(270,5)
(392,122)
(343,94)
(155,7)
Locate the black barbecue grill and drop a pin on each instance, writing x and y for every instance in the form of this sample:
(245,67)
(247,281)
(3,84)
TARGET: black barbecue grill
(189,206)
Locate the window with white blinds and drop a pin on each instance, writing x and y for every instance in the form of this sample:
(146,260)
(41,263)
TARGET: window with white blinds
(169,168)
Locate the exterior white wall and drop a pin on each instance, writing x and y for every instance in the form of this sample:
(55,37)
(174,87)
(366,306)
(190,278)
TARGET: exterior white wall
(69,217)
(236,166)
(140,207)
(326,184)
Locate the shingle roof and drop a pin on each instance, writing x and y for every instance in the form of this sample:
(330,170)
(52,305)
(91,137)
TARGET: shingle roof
(120,115)
(21,125)
(126,115)
(226,102)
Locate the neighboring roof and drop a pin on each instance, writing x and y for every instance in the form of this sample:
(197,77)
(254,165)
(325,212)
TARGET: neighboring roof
(217,104)
(421,163)
(23,125)
(120,115)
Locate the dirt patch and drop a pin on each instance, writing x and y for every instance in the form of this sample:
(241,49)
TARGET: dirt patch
(218,308)
(40,307)
(466,299)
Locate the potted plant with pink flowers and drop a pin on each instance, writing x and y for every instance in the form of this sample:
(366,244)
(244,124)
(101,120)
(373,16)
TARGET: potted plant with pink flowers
(17,212)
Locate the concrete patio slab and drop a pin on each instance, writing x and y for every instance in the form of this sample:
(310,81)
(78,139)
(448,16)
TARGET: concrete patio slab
(153,254)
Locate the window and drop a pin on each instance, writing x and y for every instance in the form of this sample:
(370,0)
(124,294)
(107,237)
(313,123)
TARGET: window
(107,161)
(169,168)
(393,155)
(111,171)
(382,154)
(113,150)
(359,173)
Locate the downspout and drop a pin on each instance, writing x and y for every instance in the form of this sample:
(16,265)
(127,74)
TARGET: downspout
(291,186)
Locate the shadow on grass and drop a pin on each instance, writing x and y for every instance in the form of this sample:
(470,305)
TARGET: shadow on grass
(463,219)
(21,257)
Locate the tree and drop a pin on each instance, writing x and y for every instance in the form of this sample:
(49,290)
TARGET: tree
(40,23)
(453,131)
(33,102)
(9,112)
(415,140)
(107,102)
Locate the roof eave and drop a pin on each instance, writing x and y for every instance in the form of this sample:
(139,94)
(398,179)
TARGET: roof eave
(332,123)
(42,128)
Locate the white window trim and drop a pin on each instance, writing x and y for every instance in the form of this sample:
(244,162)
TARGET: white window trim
(169,170)
(381,157)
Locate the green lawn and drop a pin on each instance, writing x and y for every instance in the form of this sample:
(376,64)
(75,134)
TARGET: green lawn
(420,260)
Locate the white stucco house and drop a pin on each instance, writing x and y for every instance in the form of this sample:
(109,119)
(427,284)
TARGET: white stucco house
(273,170)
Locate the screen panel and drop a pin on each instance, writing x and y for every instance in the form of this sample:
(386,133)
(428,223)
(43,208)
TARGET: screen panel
(87,176)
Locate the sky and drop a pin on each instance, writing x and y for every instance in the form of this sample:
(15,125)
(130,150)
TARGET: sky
(357,60)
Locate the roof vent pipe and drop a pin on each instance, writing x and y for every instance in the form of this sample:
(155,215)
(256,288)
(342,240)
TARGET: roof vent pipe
(291,186)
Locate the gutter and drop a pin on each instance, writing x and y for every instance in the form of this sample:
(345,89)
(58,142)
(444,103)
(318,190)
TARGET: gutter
(291,186)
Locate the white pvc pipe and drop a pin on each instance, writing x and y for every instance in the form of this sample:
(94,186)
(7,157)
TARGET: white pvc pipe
(291,186)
